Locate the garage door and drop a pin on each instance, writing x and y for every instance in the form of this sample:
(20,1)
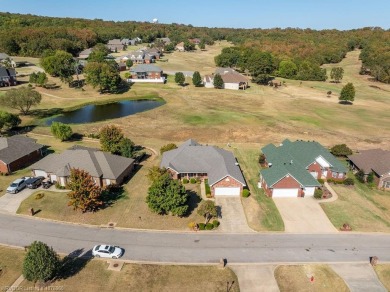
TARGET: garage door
(40,173)
(285,193)
(227,191)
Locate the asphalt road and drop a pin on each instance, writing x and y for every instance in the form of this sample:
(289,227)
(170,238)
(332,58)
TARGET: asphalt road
(200,247)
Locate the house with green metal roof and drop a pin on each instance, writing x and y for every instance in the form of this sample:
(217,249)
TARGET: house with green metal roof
(295,167)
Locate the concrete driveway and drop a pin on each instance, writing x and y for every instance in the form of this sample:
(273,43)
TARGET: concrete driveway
(232,216)
(10,202)
(303,215)
(254,278)
(359,277)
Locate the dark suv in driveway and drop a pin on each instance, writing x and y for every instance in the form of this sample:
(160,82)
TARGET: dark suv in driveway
(34,182)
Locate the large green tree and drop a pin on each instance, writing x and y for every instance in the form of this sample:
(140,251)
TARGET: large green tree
(218,81)
(179,78)
(41,262)
(196,79)
(104,75)
(127,148)
(167,196)
(261,65)
(229,57)
(287,69)
(341,150)
(61,131)
(8,120)
(336,74)
(39,78)
(85,195)
(110,139)
(99,53)
(59,64)
(22,99)
(347,93)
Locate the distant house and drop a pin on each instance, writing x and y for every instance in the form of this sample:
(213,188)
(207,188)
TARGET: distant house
(7,77)
(115,45)
(195,41)
(104,167)
(376,161)
(180,47)
(154,52)
(84,55)
(4,56)
(295,167)
(166,41)
(146,73)
(219,166)
(231,79)
(17,152)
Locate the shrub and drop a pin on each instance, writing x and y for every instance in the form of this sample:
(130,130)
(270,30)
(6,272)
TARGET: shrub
(246,193)
(201,226)
(318,194)
(59,187)
(209,226)
(185,181)
(193,180)
(349,182)
(215,223)
(261,159)
(208,195)
(39,196)
(167,147)
(341,150)
(61,131)
(191,225)
(360,176)
(207,186)
(370,178)
(321,181)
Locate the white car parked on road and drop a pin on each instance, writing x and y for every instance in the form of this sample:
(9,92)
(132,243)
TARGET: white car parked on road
(107,251)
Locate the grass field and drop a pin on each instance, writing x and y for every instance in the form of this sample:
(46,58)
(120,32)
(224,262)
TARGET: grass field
(383,272)
(364,209)
(92,275)
(298,278)
(250,119)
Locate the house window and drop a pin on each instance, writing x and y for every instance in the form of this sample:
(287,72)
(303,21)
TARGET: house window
(386,184)
(334,174)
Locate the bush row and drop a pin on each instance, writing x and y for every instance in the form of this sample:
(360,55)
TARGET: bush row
(208,226)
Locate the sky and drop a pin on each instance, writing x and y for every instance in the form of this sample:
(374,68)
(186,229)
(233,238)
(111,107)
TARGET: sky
(314,14)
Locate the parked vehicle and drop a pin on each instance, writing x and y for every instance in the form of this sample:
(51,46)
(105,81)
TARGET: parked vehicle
(16,186)
(47,184)
(107,251)
(34,182)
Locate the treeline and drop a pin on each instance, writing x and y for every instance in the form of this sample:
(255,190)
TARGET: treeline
(30,35)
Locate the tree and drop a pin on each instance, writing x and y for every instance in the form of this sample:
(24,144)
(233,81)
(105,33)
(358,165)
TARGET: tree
(41,262)
(61,131)
(287,69)
(155,172)
(202,45)
(347,93)
(179,78)
(341,150)
(39,78)
(167,196)
(129,63)
(218,81)
(207,209)
(59,64)
(188,46)
(110,139)
(336,74)
(167,147)
(169,47)
(229,57)
(104,75)
(99,53)
(8,120)
(196,79)
(360,176)
(370,177)
(261,65)
(22,98)
(126,148)
(85,195)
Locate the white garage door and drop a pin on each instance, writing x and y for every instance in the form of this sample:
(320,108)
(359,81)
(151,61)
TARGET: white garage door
(227,191)
(40,173)
(285,193)
(309,191)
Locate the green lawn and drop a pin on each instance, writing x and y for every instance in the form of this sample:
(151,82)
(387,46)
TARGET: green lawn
(363,208)
(297,278)
(260,210)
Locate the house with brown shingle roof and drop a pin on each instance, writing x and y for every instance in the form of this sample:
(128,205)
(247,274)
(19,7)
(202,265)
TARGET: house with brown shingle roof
(376,161)
(17,152)
(104,167)
(231,79)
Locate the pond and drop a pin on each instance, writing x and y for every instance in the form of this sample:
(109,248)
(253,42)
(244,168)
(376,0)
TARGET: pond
(95,113)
